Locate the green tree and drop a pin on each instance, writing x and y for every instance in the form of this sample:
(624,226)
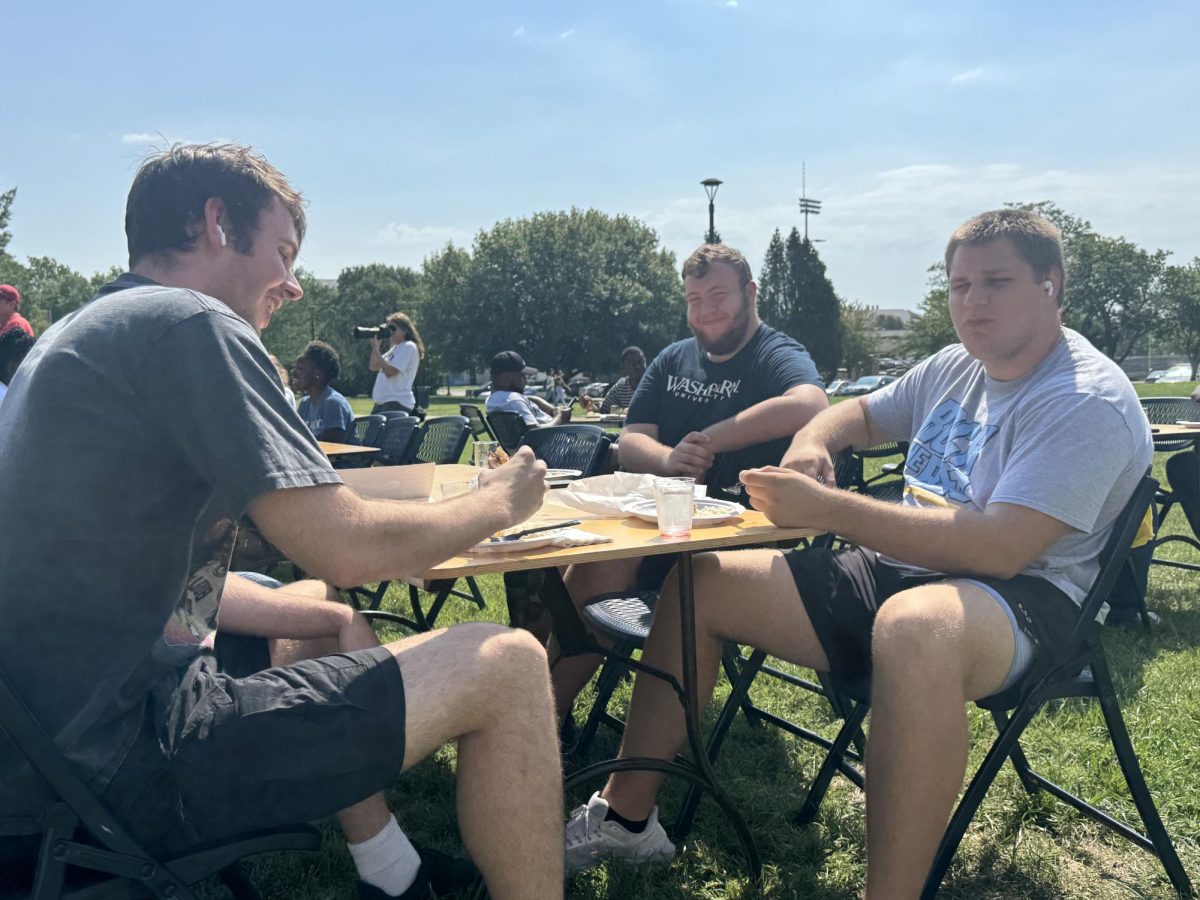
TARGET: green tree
(366,295)
(6,202)
(931,328)
(774,286)
(802,302)
(890,323)
(1181,303)
(51,290)
(860,338)
(310,318)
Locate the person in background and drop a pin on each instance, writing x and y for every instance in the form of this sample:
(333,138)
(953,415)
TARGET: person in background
(397,366)
(633,367)
(508,393)
(285,379)
(10,302)
(14,345)
(325,411)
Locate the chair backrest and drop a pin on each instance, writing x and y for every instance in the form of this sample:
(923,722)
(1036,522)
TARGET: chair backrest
(440,440)
(1112,559)
(582,447)
(367,430)
(396,440)
(1168,411)
(474,416)
(508,427)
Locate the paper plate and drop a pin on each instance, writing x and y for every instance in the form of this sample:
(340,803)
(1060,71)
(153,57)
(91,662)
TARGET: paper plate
(1186,424)
(530,542)
(706,511)
(562,474)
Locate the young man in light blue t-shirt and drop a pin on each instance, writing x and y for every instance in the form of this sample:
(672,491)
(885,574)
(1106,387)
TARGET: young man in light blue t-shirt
(990,494)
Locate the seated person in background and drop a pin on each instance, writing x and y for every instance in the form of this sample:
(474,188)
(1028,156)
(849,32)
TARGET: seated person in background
(732,395)
(633,367)
(990,495)
(10,302)
(15,344)
(326,412)
(508,393)
(1183,475)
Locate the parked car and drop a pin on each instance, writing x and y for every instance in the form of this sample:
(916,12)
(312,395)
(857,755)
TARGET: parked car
(482,393)
(596,390)
(833,387)
(1173,375)
(865,385)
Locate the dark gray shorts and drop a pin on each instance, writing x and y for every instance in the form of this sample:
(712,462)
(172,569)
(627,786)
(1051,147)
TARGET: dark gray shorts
(842,590)
(221,756)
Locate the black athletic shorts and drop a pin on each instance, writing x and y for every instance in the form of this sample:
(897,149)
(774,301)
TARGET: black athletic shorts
(220,755)
(842,591)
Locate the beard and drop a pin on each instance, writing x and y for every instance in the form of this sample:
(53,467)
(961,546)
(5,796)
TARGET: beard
(731,339)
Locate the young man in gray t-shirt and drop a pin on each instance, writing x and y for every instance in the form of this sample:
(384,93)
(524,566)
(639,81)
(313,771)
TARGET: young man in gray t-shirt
(991,494)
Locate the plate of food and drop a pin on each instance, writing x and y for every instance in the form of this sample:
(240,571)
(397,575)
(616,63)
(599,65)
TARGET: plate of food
(1187,424)
(543,538)
(562,476)
(705,511)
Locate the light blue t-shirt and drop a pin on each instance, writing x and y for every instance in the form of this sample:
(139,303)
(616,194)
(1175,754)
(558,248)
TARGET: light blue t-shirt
(1069,439)
(511,401)
(331,410)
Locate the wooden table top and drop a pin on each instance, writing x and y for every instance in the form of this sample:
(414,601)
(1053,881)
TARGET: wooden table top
(599,419)
(329,448)
(631,537)
(1174,432)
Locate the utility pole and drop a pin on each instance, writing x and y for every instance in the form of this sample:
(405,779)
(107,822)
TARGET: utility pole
(808,206)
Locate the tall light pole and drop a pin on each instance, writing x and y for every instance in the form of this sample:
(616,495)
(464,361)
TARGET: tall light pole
(808,206)
(710,188)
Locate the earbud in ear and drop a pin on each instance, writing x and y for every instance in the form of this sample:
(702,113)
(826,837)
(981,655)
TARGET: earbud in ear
(1048,285)
(224,241)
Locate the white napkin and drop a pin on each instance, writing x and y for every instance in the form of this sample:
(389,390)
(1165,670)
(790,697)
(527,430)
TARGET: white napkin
(606,494)
(572,537)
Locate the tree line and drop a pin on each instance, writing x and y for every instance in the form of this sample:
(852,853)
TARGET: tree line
(570,289)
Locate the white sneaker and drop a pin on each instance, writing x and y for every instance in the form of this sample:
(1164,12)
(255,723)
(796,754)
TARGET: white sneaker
(591,839)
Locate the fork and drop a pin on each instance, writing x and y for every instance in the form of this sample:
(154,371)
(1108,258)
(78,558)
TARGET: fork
(528,531)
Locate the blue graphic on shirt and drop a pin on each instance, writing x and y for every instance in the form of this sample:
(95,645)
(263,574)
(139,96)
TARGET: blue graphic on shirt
(945,450)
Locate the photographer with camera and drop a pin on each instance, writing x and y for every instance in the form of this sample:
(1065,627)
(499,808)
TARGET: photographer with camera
(397,366)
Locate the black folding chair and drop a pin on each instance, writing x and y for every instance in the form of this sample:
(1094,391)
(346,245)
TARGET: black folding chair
(441,440)
(582,447)
(396,440)
(480,430)
(1084,673)
(508,427)
(367,432)
(59,840)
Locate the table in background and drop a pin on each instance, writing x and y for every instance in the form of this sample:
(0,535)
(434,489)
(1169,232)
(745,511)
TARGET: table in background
(332,449)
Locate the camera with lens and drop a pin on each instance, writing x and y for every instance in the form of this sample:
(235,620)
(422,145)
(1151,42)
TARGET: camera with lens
(363,332)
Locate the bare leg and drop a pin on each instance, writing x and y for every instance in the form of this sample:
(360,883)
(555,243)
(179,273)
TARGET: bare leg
(934,648)
(487,686)
(583,583)
(748,596)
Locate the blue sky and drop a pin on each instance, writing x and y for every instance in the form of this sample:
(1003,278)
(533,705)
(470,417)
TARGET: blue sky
(408,124)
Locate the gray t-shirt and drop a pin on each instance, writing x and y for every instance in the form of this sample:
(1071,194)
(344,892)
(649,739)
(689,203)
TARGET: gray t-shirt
(1068,439)
(134,437)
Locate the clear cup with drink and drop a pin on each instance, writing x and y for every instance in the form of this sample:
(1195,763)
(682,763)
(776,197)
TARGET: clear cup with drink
(489,454)
(673,505)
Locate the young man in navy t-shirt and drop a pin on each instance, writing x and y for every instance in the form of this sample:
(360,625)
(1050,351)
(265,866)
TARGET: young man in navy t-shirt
(728,398)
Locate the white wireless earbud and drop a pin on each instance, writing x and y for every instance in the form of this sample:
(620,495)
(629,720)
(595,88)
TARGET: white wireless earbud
(1047,284)
(221,232)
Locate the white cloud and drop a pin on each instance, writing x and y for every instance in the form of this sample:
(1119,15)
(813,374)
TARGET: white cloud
(141,137)
(567,33)
(412,243)
(969,75)
(520,32)
(732,4)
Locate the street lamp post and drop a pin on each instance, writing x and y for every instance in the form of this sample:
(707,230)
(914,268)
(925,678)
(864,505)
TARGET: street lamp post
(710,188)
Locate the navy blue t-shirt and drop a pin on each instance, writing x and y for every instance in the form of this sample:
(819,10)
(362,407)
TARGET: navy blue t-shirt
(685,391)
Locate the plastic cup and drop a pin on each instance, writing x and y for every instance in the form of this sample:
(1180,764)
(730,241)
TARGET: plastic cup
(455,488)
(486,456)
(673,505)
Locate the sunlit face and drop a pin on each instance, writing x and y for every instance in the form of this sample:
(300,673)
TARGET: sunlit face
(258,284)
(720,311)
(998,304)
(305,375)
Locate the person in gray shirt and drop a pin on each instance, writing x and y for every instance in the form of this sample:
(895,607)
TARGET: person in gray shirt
(992,495)
(112,583)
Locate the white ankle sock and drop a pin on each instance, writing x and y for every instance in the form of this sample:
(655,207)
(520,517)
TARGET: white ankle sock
(388,860)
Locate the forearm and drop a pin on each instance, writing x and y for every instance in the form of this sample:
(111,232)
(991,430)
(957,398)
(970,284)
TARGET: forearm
(543,405)
(248,608)
(774,418)
(840,426)
(643,453)
(345,539)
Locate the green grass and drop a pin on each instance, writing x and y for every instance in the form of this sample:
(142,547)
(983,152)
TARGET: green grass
(1018,845)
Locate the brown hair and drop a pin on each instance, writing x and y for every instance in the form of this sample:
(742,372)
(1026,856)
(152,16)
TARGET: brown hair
(1037,240)
(400,320)
(165,209)
(698,264)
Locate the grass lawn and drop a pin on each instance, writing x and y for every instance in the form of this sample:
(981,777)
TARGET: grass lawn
(1018,846)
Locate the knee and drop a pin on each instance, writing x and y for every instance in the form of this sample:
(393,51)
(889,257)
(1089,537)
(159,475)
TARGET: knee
(912,632)
(506,653)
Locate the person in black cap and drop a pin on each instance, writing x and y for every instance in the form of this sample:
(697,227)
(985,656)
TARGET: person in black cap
(508,393)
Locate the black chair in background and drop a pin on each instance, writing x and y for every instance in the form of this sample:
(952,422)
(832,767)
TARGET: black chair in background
(582,447)
(1084,673)
(396,440)
(480,430)
(440,440)
(59,840)
(508,427)
(1168,411)
(367,432)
